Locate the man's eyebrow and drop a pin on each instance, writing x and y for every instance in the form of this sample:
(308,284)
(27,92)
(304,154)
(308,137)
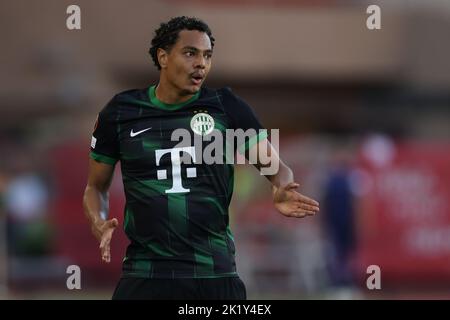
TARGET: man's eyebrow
(196,49)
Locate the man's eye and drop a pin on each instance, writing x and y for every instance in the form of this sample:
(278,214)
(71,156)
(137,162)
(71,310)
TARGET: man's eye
(189,53)
(208,56)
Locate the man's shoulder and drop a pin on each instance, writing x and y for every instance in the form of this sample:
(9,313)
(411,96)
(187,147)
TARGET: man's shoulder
(223,93)
(131,94)
(209,90)
(124,96)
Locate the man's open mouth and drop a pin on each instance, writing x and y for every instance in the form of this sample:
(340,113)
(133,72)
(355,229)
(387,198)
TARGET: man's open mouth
(197,78)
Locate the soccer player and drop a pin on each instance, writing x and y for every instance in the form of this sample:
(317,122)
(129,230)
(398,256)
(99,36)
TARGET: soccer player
(176,214)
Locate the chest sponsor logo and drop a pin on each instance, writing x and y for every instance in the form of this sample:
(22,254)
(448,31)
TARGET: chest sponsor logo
(175,158)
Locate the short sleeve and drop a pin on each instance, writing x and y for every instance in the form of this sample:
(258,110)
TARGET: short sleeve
(105,143)
(243,117)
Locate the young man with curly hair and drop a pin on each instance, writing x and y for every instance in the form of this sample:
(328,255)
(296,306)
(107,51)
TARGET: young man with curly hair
(176,213)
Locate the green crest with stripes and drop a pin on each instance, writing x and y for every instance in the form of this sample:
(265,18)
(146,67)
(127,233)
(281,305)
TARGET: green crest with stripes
(202,124)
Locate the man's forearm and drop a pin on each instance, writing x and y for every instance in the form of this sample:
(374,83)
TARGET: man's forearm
(96,205)
(282,177)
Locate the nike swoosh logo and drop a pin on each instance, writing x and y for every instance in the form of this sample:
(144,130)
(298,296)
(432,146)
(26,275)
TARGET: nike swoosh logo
(134,134)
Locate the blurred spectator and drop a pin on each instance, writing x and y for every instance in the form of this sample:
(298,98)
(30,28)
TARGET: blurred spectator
(26,205)
(339,221)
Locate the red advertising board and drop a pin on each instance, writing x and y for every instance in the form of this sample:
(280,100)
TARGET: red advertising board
(404,212)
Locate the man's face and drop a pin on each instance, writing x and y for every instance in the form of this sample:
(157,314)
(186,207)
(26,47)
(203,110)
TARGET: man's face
(187,64)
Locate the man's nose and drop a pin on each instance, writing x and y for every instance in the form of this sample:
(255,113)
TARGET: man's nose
(200,62)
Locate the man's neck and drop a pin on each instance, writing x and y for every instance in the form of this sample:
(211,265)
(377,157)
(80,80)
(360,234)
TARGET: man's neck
(167,93)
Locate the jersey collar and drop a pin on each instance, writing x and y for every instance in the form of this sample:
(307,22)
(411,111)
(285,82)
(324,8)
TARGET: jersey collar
(166,106)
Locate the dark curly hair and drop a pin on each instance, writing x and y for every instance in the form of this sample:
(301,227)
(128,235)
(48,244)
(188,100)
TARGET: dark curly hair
(167,34)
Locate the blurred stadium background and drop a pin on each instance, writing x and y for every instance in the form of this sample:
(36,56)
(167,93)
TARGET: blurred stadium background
(363,117)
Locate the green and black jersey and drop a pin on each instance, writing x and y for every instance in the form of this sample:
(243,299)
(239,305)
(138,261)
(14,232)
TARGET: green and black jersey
(176,212)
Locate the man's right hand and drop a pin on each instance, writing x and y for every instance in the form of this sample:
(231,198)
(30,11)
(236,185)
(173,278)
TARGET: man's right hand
(103,232)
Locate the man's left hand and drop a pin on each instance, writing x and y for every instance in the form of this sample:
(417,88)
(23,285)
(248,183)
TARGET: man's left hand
(290,203)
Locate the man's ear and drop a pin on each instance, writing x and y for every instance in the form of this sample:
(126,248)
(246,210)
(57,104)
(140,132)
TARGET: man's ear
(162,57)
